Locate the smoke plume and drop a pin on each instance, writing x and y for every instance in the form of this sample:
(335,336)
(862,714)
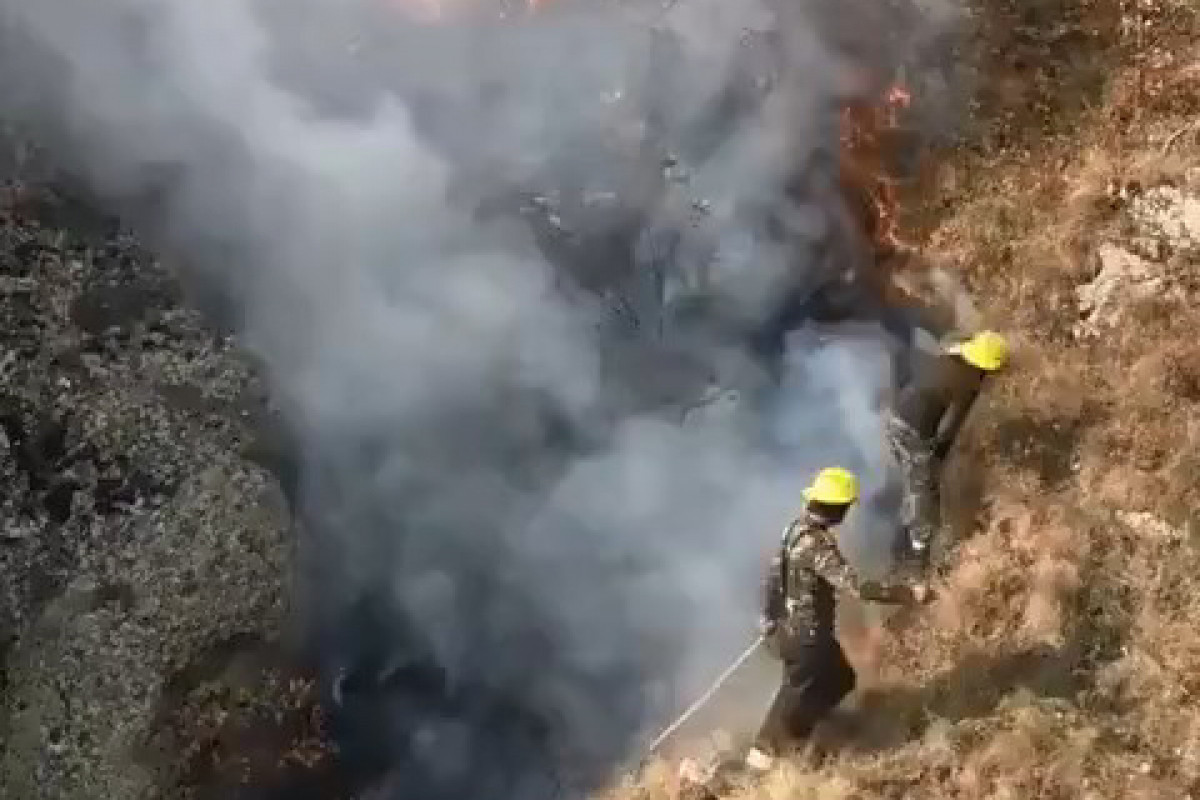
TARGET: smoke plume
(496,269)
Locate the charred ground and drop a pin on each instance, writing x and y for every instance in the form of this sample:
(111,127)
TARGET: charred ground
(144,580)
(140,539)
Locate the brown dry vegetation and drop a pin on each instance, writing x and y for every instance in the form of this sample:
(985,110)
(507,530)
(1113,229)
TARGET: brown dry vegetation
(1062,656)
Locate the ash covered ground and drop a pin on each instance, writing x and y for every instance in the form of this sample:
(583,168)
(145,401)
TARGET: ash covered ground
(143,546)
(149,560)
(139,632)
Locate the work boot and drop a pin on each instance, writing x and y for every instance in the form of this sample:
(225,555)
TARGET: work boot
(759,762)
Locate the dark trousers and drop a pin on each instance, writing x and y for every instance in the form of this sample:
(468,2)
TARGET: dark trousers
(816,677)
(921,511)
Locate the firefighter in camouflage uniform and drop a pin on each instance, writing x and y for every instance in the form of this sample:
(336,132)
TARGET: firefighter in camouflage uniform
(798,618)
(926,417)
(799,607)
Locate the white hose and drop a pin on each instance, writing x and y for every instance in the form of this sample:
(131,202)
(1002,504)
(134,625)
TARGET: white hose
(704,698)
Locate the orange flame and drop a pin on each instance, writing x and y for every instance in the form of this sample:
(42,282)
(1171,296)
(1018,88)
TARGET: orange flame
(867,180)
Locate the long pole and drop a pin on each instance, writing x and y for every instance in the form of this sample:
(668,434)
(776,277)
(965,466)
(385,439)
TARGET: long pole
(704,698)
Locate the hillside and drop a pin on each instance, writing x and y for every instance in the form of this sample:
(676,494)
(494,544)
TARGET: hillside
(1059,659)
(144,559)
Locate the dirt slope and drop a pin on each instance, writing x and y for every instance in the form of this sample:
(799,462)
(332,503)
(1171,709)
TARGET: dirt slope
(1060,658)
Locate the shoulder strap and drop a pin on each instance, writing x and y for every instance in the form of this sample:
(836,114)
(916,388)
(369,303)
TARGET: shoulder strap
(785,568)
(789,539)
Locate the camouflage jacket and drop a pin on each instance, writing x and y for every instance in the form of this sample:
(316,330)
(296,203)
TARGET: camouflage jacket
(799,593)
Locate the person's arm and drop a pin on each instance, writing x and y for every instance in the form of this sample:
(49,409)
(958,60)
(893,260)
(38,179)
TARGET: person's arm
(895,594)
(845,578)
(953,421)
(838,572)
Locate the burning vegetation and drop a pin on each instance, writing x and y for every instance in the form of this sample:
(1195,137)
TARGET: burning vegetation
(1058,661)
(872,143)
(269,737)
(377,686)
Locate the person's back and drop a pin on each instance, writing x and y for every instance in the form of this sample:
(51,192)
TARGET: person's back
(937,382)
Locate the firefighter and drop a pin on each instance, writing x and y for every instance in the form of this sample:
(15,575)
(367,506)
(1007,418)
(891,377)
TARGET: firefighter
(927,414)
(798,628)
(798,617)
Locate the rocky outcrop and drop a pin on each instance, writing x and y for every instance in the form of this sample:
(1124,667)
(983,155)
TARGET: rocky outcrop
(1121,278)
(136,535)
(1157,252)
(1166,222)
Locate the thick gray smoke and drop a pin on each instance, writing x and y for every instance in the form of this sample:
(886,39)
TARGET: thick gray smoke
(490,265)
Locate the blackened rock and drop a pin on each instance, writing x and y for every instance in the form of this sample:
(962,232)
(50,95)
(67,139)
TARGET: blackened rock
(112,306)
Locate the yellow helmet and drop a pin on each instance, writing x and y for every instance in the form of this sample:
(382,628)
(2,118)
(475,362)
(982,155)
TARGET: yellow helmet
(833,486)
(986,350)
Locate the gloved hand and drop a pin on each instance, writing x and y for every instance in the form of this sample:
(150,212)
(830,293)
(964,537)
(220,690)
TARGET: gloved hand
(922,594)
(767,626)
(919,554)
(919,537)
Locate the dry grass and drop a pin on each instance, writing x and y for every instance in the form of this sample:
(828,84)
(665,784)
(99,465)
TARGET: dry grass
(1062,658)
